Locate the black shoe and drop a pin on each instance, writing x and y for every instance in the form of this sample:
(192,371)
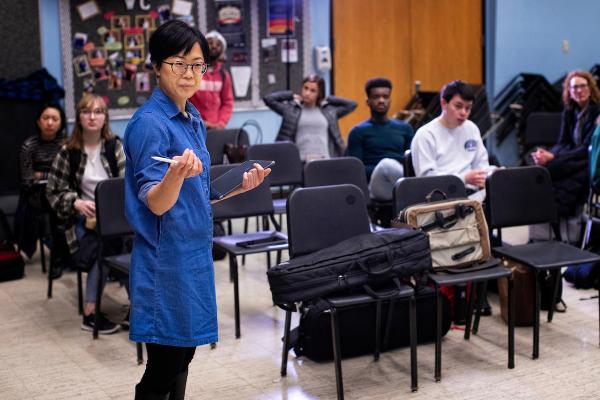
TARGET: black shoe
(105,327)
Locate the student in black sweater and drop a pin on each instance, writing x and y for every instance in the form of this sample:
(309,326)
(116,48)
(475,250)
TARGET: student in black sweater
(35,160)
(380,142)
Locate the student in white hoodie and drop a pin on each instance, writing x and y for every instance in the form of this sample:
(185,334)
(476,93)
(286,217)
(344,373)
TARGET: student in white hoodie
(451,144)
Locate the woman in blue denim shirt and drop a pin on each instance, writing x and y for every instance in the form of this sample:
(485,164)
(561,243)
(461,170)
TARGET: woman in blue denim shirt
(173,307)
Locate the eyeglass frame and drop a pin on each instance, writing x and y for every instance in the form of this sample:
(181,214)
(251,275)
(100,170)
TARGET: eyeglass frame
(88,112)
(187,66)
(580,87)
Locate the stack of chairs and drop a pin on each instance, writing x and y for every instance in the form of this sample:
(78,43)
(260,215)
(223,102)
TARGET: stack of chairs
(523,95)
(425,106)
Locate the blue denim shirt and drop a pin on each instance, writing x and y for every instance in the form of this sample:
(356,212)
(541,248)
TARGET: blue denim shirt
(171,278)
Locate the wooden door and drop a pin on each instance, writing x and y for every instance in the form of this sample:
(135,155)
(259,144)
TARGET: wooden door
(432,41)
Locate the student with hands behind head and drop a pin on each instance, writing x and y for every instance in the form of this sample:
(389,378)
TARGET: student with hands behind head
(173,304)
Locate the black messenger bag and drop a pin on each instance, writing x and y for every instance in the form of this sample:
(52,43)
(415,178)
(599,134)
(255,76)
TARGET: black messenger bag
(368,259)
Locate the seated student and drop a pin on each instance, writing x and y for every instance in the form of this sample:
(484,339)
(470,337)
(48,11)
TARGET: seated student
(451,144)
(567,161)
(310,120)
(35,160)
(100,156)
(380,142)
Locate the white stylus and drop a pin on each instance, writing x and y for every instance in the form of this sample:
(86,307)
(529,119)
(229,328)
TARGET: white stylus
(163,159)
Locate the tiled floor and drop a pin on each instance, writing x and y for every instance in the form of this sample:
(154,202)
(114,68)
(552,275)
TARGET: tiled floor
(45,355)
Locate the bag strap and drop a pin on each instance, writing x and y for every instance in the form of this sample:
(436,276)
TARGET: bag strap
(492,262)
(255,125)
(446,222)
(429,197)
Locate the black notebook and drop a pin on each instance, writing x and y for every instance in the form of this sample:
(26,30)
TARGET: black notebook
(232,179)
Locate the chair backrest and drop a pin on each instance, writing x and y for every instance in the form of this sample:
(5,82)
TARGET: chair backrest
(217,138)
(288,165)
(110,208)
(409,169)
(414,190)
(337,171)
(322,216)
(520,196)
(542,129)
(255,202)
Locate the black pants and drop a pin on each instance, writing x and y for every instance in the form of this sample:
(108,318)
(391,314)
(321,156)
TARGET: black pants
(163,365)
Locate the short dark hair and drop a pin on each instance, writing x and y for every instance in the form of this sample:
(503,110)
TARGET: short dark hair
(460,88)
(314,78)
(63,118)
(173,37)
(377,83)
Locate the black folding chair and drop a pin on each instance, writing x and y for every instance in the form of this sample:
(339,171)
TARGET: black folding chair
(346,170)
(287,170)
(524,196)
(257,202)
(111,224)
(323,216)
(410,191)
(409,169)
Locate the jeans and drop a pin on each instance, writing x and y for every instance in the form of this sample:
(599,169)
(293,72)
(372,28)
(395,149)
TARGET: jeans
(91,285)
(384,176)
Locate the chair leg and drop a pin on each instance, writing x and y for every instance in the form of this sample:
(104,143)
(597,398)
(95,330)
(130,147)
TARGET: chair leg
(388,326)
(536,318)
(587,232)
(79,291)
(481,294)
(469,317)
(337,353)
(140,353)
(233,268)
(557,279)
(511,324)
(438,334)
(377,331)
(43,256)
(98,296)
(286,342)
(278,257)
(412,310)
(49,294)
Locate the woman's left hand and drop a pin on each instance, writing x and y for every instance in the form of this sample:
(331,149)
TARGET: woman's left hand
(254,177)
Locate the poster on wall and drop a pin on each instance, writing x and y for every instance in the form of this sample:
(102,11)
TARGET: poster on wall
(280,17)
(108,48)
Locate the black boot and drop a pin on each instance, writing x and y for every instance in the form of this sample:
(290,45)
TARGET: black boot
(142,395)
(178,389)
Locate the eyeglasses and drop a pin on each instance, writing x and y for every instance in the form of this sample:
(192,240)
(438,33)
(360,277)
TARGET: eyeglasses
(180,68)
(580,87)
(88,112)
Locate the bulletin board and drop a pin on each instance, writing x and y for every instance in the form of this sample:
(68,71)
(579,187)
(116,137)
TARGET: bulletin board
(105,46)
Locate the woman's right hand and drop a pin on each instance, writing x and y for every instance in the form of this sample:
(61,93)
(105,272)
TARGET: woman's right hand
(187,166)
(86,208)
(298,98)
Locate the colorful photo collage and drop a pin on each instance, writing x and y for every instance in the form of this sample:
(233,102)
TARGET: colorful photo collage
(117,51)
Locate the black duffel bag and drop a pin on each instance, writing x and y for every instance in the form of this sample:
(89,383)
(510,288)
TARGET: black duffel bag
(368,259)
(312,338)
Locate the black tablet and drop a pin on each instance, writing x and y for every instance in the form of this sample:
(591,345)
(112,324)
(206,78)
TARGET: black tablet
(232,179)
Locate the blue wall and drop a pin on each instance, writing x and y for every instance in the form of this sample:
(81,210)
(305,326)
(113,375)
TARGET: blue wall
(268,120)
(529,34)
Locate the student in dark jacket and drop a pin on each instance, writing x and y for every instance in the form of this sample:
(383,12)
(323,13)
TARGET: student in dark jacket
(567,161)
(35,160)
(310,120)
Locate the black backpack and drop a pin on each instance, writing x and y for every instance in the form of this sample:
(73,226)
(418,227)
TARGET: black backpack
(12,265)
